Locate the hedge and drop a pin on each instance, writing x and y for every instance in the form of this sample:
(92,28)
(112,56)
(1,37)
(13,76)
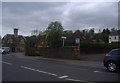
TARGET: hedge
(85,47)
(98,45)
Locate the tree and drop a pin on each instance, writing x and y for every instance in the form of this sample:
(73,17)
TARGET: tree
(34,32)
(91,33)
(103,31)
(53,34)
(104,35)
(106,31)
(68,33)
(31,41)
(113,30)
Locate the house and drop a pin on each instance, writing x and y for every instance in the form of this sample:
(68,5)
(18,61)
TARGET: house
(114,37)
(15,42)
(82,37)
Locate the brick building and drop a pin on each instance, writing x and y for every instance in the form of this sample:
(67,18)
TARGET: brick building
(15,42)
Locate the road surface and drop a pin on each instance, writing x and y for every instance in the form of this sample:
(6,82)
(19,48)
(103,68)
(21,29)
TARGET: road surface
(33,69)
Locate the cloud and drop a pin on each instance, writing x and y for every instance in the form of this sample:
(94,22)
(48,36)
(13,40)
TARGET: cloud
(97,15)
(27,16)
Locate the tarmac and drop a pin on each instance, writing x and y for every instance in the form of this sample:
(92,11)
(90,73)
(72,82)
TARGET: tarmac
(90,60)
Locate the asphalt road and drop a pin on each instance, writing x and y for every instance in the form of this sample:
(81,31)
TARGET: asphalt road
(33,69)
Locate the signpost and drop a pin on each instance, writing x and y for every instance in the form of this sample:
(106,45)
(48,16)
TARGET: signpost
(63,37)
(78,49)
(77,40)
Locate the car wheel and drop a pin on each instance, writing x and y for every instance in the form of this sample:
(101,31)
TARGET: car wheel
(112,66)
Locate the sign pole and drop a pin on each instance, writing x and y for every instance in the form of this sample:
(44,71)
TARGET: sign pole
(79,50)
(78,47)
(63,37)
(63,42)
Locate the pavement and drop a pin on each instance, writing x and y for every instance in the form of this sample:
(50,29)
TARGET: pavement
(91,60)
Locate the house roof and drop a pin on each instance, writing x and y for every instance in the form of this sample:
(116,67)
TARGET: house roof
(78,35)
(115,33)
(11,36)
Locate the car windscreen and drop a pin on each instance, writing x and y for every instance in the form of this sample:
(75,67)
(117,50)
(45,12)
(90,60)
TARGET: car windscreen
(115,52)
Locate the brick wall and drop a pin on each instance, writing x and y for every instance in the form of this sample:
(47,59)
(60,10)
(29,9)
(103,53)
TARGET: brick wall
(63,52)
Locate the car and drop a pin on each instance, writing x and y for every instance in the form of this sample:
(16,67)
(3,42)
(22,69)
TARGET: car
(5,49)
(1,51)
(112,60)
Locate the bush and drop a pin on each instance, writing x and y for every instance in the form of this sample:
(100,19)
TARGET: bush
(68,43)
(98,45)
(34,53)
(85,48)
(89,48)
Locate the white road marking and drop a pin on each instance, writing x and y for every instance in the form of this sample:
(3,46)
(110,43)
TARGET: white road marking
(52,74)
(39,71)
(28,68)
(96,71)
(6,62)
(75,80)
(78,80)
(61,77)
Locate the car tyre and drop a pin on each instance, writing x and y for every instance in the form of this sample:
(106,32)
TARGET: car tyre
(112,66)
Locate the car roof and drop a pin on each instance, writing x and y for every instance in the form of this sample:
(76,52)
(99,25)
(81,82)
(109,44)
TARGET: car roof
(115,49)
(5,47)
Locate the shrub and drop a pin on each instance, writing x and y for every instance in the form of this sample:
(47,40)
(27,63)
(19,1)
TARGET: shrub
(34,52)
(98,45)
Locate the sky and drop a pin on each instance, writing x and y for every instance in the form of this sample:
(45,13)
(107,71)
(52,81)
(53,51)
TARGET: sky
(28,16)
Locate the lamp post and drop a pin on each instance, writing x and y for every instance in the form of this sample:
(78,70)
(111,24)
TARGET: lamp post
(63,37)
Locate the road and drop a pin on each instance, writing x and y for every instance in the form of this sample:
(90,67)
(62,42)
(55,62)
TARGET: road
(33,69)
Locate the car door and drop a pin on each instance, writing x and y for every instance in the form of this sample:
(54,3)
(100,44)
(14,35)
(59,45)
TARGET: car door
(119,57)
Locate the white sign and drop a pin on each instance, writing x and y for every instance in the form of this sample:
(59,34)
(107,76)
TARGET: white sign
(77,40)
(63,37)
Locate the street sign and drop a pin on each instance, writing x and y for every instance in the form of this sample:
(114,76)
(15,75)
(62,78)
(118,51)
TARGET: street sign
(77,40)
(63,37)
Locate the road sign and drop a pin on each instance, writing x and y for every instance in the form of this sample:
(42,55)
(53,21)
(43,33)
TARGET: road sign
(63,37)
(77,40)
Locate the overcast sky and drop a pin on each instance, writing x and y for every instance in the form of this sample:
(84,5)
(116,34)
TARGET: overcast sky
(27,16)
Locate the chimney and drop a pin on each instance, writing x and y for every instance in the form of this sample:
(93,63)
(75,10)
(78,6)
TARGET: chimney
(84,33)
(15,32)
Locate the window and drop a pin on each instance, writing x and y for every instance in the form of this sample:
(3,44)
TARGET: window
(114,52)
(118,52)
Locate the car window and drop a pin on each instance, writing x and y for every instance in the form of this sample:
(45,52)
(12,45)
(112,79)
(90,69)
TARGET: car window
(115,52)
(118,52)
